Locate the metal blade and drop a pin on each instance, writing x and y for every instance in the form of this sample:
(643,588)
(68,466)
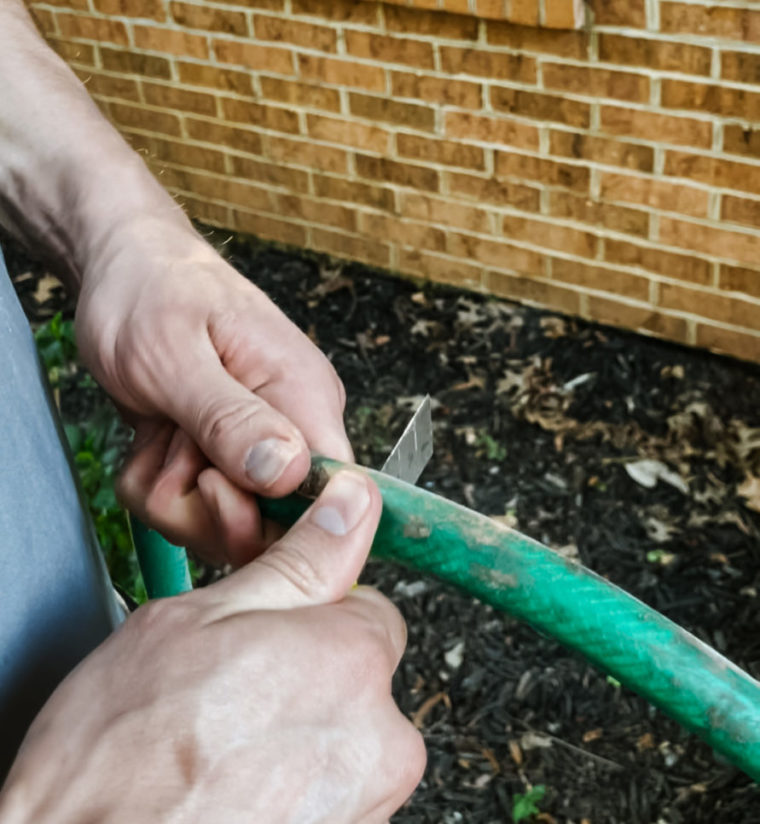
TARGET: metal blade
(414,448)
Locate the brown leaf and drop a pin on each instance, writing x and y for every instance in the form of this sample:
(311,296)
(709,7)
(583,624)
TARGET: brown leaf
(515,752)
(750,491)
(645,742)
(592,735)
(418,719)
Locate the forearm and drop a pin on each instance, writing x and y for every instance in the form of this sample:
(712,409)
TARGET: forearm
(67,178)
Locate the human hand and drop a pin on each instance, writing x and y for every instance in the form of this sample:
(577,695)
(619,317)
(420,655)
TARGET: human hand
(263,698)
(226,395)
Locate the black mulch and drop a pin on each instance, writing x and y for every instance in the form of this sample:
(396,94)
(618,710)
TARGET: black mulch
(539,419)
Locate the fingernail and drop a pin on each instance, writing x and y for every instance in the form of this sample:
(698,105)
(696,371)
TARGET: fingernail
(342,505)
(269,459)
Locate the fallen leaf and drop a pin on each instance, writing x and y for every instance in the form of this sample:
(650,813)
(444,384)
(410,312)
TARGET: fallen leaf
(515,752)
(648,472)
(645,742)
(418,719)
(750,491)
(592,735)
(46,285)
(534,741)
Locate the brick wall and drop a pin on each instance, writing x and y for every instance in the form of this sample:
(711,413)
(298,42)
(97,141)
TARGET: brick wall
(611,171)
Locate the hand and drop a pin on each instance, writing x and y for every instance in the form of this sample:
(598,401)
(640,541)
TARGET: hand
(263,698)
(227,396)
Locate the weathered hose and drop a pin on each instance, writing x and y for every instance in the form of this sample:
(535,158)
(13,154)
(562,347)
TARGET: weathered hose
(642,649)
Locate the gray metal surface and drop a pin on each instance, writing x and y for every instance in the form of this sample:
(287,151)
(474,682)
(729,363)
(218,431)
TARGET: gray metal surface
(414,448)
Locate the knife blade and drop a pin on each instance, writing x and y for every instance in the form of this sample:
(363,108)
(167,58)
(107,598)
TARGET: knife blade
(414,448)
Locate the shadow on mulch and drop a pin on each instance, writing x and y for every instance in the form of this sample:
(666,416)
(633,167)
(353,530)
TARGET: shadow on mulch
(626,453)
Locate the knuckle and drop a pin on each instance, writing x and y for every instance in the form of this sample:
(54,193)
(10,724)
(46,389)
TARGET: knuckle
(297,567)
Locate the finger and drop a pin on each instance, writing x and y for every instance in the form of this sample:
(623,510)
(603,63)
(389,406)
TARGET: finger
(240,529)
(319,415)
(305,387)
(318,560)
(255,446)
(144,462)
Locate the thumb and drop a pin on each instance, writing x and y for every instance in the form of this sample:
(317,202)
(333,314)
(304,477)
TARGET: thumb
(253,444)
(318,560)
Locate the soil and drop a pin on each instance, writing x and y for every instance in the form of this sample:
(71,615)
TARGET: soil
(541,421)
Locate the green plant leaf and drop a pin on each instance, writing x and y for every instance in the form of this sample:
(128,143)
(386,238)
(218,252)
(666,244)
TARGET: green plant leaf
(524,805)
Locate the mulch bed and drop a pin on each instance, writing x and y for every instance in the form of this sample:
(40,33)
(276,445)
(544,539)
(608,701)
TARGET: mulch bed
(542,421)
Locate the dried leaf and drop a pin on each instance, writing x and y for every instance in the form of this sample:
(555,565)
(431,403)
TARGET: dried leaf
(418,719)
(46,285)
(592,735)
(648,472)
(750,491)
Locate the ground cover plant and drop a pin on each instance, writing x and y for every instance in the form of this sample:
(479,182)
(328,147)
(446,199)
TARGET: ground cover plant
(635,457)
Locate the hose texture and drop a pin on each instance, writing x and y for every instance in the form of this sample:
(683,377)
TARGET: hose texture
(619,634)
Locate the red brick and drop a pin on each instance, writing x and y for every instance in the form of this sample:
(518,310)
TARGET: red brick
(602,150)
(447,212)
(171,41)
(403,174)
(184,154)
(393,111)
(550,235)
(390,49)
(351,191)
(533,291)
(723,308)
(735,246)
(722,100)
(633,316)
(255,56)
(715,171)
(438,90)
(603,215)
(128,62)
(525,12)
(654,192)
(739,279)
(542,41)
(106,85)
(300,94)
(350,11)
(353,248)
(221,134)
(494,253)
(79,53)
(741,139)
(670,264)
(151,9)
(493,65)
(212,213)
(431,23)
(734,343)
(541,106)
(200,74)
(267,117)
(204,17)
(294,180)
(741,210)
(236,192)
(445,152)
(665,128)
(306,153)
(315,211)
(439,269)
(170,97)
(548,172)
(712,21)
(148,120)
(341,72)
(348,133)
(98,29)
(662,55)
(600,279)
(563,14)
(402,231)
(498,192)
(620,13)
(269,228)
(743,67)
(597,82)
(287,30)
(501,131)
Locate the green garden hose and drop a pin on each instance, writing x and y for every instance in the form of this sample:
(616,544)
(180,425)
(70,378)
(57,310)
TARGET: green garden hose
(636,645)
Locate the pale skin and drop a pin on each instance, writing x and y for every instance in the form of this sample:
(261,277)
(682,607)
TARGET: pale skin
(266,697)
